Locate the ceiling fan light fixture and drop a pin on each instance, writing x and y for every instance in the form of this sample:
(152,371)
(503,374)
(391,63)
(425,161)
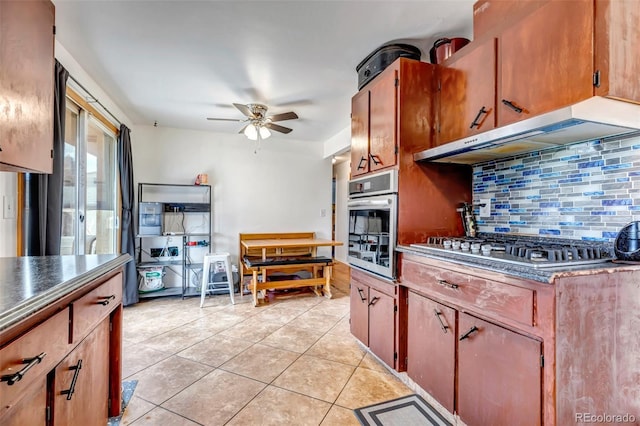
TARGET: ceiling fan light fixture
(251,132)
(264,132)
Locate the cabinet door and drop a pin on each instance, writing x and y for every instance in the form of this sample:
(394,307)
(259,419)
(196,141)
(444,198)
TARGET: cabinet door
(382,326)
(382,121)
(545,63)
(360,133)
(468,91)
(499,375)
(31,409)
(81,384)
(26,85)
(359,321)
(431,337)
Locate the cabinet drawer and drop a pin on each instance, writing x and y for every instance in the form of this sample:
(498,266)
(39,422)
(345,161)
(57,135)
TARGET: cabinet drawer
(51,338)
(387,287)
(91,308)
(483,295)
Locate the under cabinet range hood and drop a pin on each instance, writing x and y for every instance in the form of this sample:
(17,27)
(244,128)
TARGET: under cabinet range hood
(594,118)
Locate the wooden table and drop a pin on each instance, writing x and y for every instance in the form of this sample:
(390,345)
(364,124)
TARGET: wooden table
(279,247)
(286,243)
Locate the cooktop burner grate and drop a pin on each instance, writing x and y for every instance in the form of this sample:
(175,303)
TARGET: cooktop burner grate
(537,254)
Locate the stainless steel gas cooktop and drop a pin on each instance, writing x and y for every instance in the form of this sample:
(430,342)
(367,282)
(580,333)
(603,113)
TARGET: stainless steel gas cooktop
(524,252)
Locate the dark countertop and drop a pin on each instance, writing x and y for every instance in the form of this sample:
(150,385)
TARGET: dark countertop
(546,275)
(30,283)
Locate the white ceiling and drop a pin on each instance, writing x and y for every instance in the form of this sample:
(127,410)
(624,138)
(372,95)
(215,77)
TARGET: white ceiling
(178,62)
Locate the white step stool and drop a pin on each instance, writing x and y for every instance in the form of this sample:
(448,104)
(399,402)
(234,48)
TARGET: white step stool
(210,259)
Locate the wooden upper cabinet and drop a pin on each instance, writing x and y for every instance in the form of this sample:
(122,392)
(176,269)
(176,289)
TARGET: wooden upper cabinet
(546,60)
(360,133)
(383,110)
(468,93)
(373,125)
(617,57)
(392,111)
(26,85)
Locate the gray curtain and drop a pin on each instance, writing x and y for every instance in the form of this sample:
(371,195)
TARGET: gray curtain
(125,162)
(44,191)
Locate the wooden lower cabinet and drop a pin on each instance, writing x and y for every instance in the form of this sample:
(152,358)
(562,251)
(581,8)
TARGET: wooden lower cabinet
(374,316)
(32,408)
(77,375)
(499,375)
(382,326)
(359,320)
(431,347)
(81,381)
(498,371)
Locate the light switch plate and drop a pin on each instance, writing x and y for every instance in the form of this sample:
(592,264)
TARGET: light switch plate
(485,211)
(9,207)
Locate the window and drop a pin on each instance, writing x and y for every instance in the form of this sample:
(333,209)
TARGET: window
(89,218)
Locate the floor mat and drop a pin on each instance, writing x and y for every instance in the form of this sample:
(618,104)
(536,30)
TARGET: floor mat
(409,410)
(127,392)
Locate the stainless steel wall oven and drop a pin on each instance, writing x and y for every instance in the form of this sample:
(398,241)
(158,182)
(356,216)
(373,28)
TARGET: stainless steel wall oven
(372,207)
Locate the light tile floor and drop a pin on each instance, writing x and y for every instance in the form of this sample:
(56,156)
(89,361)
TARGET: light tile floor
(289,362)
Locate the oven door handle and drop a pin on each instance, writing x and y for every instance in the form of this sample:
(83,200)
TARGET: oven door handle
(372,203)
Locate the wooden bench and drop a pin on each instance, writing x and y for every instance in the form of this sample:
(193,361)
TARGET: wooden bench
(272,251)
(265,262)
(288,265)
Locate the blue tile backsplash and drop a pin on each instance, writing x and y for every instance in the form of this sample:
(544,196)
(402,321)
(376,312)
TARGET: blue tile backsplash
(585,191)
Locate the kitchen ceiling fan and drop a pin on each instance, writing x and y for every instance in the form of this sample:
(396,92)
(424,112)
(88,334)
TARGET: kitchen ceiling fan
(260,123)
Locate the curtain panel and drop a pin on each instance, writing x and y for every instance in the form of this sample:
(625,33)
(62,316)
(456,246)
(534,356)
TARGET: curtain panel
(125,162)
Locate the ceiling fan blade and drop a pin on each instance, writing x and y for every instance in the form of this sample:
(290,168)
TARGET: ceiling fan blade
(224,119)
(277,128)
(283,116)
(245,110)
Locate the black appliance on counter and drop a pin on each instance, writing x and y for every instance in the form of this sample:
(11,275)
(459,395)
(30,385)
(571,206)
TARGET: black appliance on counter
(627,244)
(372,208)
(531,252)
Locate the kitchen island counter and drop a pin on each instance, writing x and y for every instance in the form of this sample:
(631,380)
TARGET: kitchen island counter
(58,315)
(32,283)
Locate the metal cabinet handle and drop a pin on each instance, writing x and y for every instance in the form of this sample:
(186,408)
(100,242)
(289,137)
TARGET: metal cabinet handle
(442,325)
(105,300)
(360,165)
(448,284)
(374,300)
(468,333)
(512,106)
(375,158)
(361,293)
(11,379)
(76,369)
(475,122)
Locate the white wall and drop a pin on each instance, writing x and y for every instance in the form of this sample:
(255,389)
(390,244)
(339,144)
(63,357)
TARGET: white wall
(341,172)
(339,143)
(79,74)
(282,188)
